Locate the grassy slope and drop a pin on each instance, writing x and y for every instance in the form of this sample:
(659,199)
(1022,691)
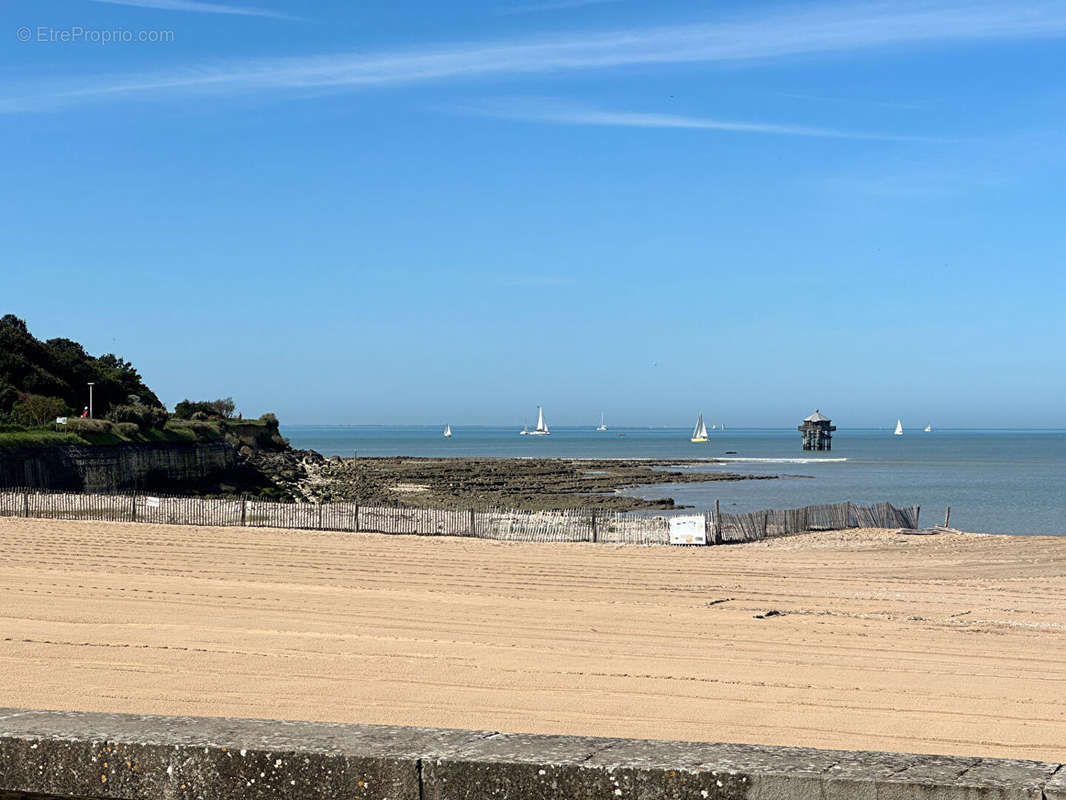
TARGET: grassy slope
(49,437)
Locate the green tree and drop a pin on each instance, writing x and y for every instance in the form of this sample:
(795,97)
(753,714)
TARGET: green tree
(222,408)
(11,321)
(8,397)
(225,407)
(61,368)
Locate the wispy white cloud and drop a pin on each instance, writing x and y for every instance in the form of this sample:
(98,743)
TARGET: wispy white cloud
(557,5)
(198,6)
(812,31)
(559,112)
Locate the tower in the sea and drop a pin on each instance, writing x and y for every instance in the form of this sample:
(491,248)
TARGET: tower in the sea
(817,430)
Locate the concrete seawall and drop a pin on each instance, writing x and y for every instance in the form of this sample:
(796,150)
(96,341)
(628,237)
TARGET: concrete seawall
(107,468)
(48,754)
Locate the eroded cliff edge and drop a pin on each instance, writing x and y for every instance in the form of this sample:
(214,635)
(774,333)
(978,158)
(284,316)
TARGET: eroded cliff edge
(108,468)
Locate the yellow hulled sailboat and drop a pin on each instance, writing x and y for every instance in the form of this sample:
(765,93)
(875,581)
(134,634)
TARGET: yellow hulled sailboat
(699,433)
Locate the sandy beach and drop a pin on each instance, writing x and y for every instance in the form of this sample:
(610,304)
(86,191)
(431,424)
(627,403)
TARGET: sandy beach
(937,644)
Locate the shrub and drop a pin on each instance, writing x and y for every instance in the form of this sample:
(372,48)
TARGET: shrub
(36,409)
(127,429)
(144,417)
(193,429)
(79,425)
(199,416)
(129,413)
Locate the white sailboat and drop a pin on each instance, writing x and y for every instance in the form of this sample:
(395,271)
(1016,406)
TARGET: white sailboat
(699,433)
(542,426)
(602,426)
(524,431)
(447,431)
(928,428)
(899,428)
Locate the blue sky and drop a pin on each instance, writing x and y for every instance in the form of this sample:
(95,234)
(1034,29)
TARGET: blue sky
(415,212)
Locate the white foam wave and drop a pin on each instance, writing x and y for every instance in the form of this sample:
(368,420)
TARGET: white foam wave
(782,460)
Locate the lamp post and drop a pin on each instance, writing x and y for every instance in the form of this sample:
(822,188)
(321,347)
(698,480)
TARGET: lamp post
(91,384)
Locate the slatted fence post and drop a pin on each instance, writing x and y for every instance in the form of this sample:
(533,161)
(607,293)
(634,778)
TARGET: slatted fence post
(947,516)
(473,524)
(594,532)
(133,507)
(244,512)
(717,523)
(357,518)
(25,504)
(319,523)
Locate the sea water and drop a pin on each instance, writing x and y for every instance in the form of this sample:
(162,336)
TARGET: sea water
(996,481)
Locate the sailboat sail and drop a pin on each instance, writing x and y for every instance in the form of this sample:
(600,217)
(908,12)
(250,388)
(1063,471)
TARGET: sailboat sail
(899,428)
(929,428)
(699,433)
(602,427)
(447,431)
(542,426)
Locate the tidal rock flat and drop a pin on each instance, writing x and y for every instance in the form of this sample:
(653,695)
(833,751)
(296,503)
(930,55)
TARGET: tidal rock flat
(528,484)
(860,639)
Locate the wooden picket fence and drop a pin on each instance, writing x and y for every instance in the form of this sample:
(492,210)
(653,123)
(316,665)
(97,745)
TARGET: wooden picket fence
(759,525)
(518,526)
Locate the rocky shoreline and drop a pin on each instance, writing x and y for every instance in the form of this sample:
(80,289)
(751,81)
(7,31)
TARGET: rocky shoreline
(480,483)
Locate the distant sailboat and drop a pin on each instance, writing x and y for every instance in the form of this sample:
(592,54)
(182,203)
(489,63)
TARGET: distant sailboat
(699,433)
(542,426)
(899,428)
(602,426)
(524,431)
(447,431)
(928,428)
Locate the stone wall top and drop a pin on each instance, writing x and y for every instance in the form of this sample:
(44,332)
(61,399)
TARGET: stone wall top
(130,757)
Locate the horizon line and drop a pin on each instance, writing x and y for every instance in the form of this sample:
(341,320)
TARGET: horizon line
(488,426)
